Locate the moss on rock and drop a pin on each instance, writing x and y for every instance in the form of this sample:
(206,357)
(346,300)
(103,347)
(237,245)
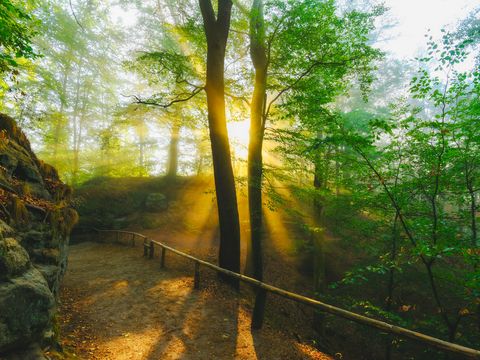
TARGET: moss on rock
(14,259)
(36,206)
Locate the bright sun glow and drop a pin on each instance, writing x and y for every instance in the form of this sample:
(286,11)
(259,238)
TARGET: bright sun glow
(238,132)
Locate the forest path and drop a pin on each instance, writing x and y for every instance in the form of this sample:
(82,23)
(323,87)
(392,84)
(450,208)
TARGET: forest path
(115,304)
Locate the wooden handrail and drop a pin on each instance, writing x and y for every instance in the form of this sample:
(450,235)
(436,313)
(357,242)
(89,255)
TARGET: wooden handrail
(361,319)
(122,232)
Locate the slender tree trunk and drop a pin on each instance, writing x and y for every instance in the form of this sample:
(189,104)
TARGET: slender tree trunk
(317,240)
(391,272)
(391,280)
(337,172)
(200,161)
(63,102)
(255,160)
(258,53)
(75,129)
(79,135)
(216,30)
(473,216)
(141,148)
(319,180)
(319,277)
(473,227)
(173,151)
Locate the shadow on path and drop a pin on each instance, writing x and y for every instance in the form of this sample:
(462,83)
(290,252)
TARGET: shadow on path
(118,305)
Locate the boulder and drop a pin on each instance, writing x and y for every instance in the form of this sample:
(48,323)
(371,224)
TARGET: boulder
(51,274)
(14,259)
(156,202)
(27,305)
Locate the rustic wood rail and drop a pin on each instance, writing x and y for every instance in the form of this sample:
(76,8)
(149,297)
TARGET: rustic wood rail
(149,249)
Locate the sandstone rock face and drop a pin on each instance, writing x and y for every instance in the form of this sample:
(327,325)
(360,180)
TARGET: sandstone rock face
(35,223)
(27,307)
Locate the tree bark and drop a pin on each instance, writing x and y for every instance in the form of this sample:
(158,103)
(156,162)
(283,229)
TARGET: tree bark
(63,103)
(391,281)
(320,178)
(216,31)
(258,54)
(473,225)
(141,157)
(75,129)
(257,109)
(173,151)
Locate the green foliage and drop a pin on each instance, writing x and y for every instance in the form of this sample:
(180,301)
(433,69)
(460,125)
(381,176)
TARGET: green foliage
(394,184)
(417,162)
(17,29)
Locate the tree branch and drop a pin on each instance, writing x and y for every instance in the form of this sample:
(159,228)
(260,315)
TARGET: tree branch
(75,16)
(138,100)
(302,76)
(237,97)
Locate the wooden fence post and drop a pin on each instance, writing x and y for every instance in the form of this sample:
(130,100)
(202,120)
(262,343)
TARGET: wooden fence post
(196,279)
(162,258)
(259,309)
(145,247)
(133,240)
(152,250)
(118,238)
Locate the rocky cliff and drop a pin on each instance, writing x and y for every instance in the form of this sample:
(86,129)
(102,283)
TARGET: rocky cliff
(35,222)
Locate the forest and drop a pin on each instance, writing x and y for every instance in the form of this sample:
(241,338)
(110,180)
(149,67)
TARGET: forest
(330,148)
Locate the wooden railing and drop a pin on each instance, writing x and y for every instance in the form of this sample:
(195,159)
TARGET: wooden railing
(149,250)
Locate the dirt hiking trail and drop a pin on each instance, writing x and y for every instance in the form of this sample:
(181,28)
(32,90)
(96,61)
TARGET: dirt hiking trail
(117,305)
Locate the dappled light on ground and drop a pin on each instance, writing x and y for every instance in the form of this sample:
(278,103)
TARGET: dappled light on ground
(118,305)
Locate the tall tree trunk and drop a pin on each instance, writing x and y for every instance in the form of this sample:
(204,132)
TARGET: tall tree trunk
(63,102)
(257,108)
(216,31)
(75,128)
(79,135)
(473,227)
(391,281)
(473,215)
(320,177)
(337,172)
(173,151)
(141,148)
(258,54)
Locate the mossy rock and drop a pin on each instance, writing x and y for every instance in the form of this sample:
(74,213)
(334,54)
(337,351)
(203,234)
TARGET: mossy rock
(46,256)
(50,273)
(156,202)
(36,239)
(9,126)
(5,230)
(9,162)
(26,305)
(14,259)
